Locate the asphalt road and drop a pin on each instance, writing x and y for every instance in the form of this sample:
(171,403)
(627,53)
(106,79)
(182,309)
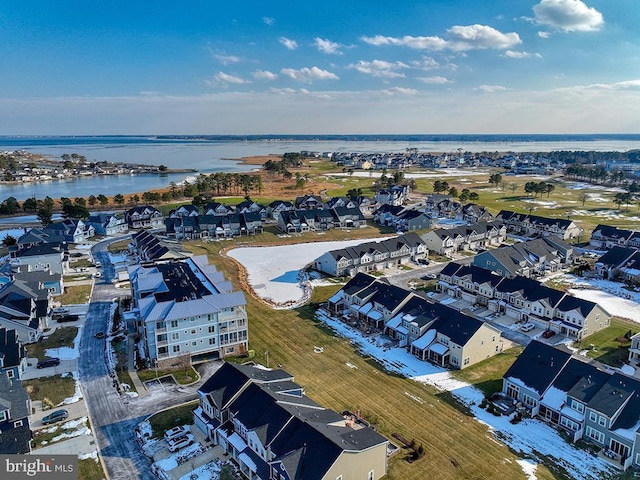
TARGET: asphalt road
(114,416)
(401,279)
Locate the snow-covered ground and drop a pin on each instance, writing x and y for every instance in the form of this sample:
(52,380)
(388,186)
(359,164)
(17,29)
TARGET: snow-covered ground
(609,295)
(528,437)
(275,272)
(66,353)
(444,172)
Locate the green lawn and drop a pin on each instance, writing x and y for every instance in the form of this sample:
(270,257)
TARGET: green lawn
(610,345)
(50,390)
(61,337)
(487,375)
(75,294)
(457,446)
(180,415)
(119,246)
(182,376)
(90,469)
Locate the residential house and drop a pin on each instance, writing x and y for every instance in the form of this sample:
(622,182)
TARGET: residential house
(524,299)
(13,354)
(108,224)
(388,215)
(347,217)
(217,208)
(308,202)
(144,216)
(619,263)
(411,220)
(186,308)
(185,211)
(341,202)
(532,258)
(534,225)
(38,258)
(473,237)
(473,213)
(292,222)
(267,425)
(15,407)
(395,195)
(583,399)
(606,237)
(25,308)
(634,351)
(249,206)
(432,332)
(276,207)
(372,256)
(70,230)
(149,248)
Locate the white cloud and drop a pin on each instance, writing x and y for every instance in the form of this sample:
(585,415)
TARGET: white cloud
(435,80)
(380,68)
(517,54)
(288,43)
(268,20)
(459,39)
(327,46)
(568,15)
(308,74)
(425,63)
(544,34)
(264,75)
(626,85)
(491,88)
(226,59)
(398,91)
(225,78)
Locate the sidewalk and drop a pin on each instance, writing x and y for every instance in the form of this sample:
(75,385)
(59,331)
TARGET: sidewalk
(137,384)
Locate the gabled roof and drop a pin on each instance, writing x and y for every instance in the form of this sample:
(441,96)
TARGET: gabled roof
(357,283)
(569,302)
(537,366)
(475,274)
(11,350)
(580,380)
(614,394)
(613,232)
(617,256)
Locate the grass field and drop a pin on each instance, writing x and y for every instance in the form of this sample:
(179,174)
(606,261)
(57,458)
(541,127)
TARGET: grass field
(182,376)
(610,345)
(50,390)
(90,469)
(487,375)
(116,247)
(180,415)
(75,294)
(61,337)
(457,446)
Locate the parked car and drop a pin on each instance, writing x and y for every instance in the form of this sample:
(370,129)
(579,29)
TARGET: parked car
(99,335)
(60,311)
(548,334)
(48,362)
(429,276)
(424,261)
(182,441)
(97,275)
(176,432)
(98,264)
(68,318)
(527,327)
(54,417)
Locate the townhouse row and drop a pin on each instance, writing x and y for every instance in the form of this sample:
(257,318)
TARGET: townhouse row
(524,299)
(430,331)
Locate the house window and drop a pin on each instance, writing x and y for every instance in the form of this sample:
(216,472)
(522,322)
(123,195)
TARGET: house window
(593,416)
(162,350)
(577,406)
(602,421)
(570,424)
(193,331)
(176,348)
(513,391)
(212,341)
(466,361)
(10,373)
(17,424)
(3,415)
(594,434)
(371,475)
(339,477)
(528,401)
(174,323)
(193,344)
(175,336)
(212,329)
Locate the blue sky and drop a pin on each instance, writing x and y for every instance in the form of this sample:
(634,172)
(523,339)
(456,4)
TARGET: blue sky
(143,67)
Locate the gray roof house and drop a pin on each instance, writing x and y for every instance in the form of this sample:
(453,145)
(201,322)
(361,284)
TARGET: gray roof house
(584,399)
(15,407)
(186,308)
(271,429)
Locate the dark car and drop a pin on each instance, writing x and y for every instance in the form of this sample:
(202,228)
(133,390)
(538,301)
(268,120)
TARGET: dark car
(99,335)
(48,362)
(56,416)
(67,318)
(548,334)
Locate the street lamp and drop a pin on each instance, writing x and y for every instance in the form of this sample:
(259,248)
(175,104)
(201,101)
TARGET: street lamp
(267,354)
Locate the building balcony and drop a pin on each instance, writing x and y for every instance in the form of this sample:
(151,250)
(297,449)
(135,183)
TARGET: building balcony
(615,459)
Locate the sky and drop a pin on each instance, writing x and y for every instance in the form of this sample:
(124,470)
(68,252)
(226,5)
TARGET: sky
(331,67)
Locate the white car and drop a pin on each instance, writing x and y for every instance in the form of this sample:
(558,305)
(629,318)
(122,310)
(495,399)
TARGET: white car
(175,432)
(527,327)
(182,441)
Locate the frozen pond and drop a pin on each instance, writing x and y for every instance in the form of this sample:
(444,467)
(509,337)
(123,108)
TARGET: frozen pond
(275,272)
